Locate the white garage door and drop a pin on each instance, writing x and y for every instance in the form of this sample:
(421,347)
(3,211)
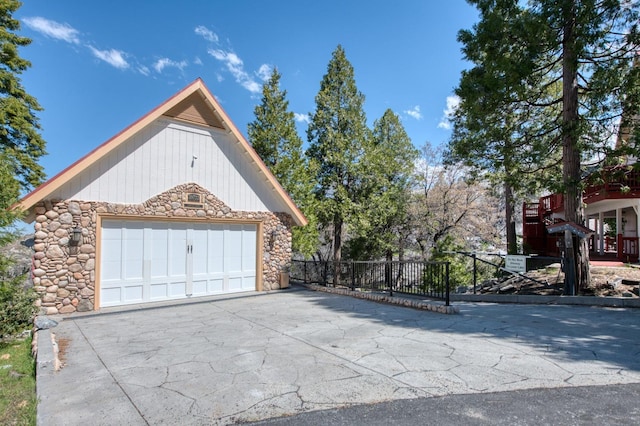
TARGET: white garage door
(152,261)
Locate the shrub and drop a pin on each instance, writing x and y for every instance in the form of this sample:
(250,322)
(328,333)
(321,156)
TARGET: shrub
(17,308)
(460,270)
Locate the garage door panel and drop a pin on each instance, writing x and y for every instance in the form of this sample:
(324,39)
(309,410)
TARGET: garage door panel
(112,258)
(132,250)
(177,289)
(235,283)
(232,253)
(215,236)
(111,270)
(198,238)
(178,250)
(249,282)
(111,296)
(133,293)
(159,291)
(215,286)
(199,287)
(111,230)
(151,261)
(249,249)
(159,252)
(132,269)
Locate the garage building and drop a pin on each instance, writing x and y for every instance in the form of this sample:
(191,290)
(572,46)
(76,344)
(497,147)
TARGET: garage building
(177,205)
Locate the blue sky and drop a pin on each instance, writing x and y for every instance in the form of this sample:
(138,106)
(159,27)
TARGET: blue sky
(99,66)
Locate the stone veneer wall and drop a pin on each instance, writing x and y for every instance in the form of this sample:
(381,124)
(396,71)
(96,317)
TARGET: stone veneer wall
(64,276)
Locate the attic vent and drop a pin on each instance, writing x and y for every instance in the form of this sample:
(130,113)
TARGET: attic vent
(195,109)
(193,201)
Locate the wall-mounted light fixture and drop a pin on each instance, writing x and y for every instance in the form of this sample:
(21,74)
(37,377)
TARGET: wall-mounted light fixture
(76,235)
(272,238)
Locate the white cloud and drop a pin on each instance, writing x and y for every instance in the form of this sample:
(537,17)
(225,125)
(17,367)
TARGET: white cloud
(264,72)
(301,118)
(197,61)
(53,29)
(252,86)
(206,33)
(414,112)
(236,67)
(163,63)
(452,105)
(113,57)
(144,70)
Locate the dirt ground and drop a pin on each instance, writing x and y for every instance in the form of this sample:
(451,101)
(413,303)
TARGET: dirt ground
(605,281)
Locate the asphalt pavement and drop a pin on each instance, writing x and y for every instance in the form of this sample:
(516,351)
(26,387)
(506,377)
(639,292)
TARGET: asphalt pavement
(292,355)
(610,405)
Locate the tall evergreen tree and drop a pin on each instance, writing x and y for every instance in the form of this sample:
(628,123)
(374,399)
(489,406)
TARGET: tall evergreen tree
(495,131)
(390,160)
(338,136)
(21,144)
(9,193)
(584,48)
(273,135)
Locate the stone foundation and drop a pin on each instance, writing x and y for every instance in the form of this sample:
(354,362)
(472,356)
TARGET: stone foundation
(64,275)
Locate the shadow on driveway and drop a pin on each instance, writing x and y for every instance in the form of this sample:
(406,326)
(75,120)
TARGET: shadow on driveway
(245,359)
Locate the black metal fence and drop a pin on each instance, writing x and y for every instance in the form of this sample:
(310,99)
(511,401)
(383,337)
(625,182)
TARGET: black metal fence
(429,279)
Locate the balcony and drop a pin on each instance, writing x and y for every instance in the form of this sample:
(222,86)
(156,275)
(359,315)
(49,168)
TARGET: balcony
(613,183)
(553,203)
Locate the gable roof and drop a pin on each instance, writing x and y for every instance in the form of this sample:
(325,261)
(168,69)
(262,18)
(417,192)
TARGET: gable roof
(579,230)
(194,104)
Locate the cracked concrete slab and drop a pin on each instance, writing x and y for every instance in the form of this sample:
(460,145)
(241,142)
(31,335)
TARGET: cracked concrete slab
(244,359)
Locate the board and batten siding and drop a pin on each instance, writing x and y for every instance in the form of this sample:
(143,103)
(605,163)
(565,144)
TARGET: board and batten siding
(166,154)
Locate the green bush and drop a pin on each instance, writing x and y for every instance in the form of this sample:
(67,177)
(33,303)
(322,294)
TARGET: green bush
(17,308)
(460,267)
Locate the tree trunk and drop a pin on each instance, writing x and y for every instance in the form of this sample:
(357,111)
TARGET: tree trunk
(337,248)
(512,240)
(571,172)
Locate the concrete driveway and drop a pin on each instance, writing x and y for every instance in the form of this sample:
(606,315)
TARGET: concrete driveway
(254,357)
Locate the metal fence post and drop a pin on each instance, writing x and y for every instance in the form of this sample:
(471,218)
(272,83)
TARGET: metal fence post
(353,275)
(325,275)
(475,273)
(448,288)
(389,276)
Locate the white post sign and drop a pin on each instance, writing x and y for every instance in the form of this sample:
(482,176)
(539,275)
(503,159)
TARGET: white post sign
(515,263)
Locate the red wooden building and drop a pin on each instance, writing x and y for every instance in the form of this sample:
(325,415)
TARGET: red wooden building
(612,209)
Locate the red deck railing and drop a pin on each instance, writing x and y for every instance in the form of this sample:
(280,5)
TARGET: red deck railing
(629,246)
(625,249)
(614,183)
(530,212)
(551,204)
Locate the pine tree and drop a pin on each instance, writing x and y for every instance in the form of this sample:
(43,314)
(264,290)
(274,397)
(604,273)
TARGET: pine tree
(20,148)
(389,160)
(273,135)
(495,133)
(21,144)
(338,136)
(566,72)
